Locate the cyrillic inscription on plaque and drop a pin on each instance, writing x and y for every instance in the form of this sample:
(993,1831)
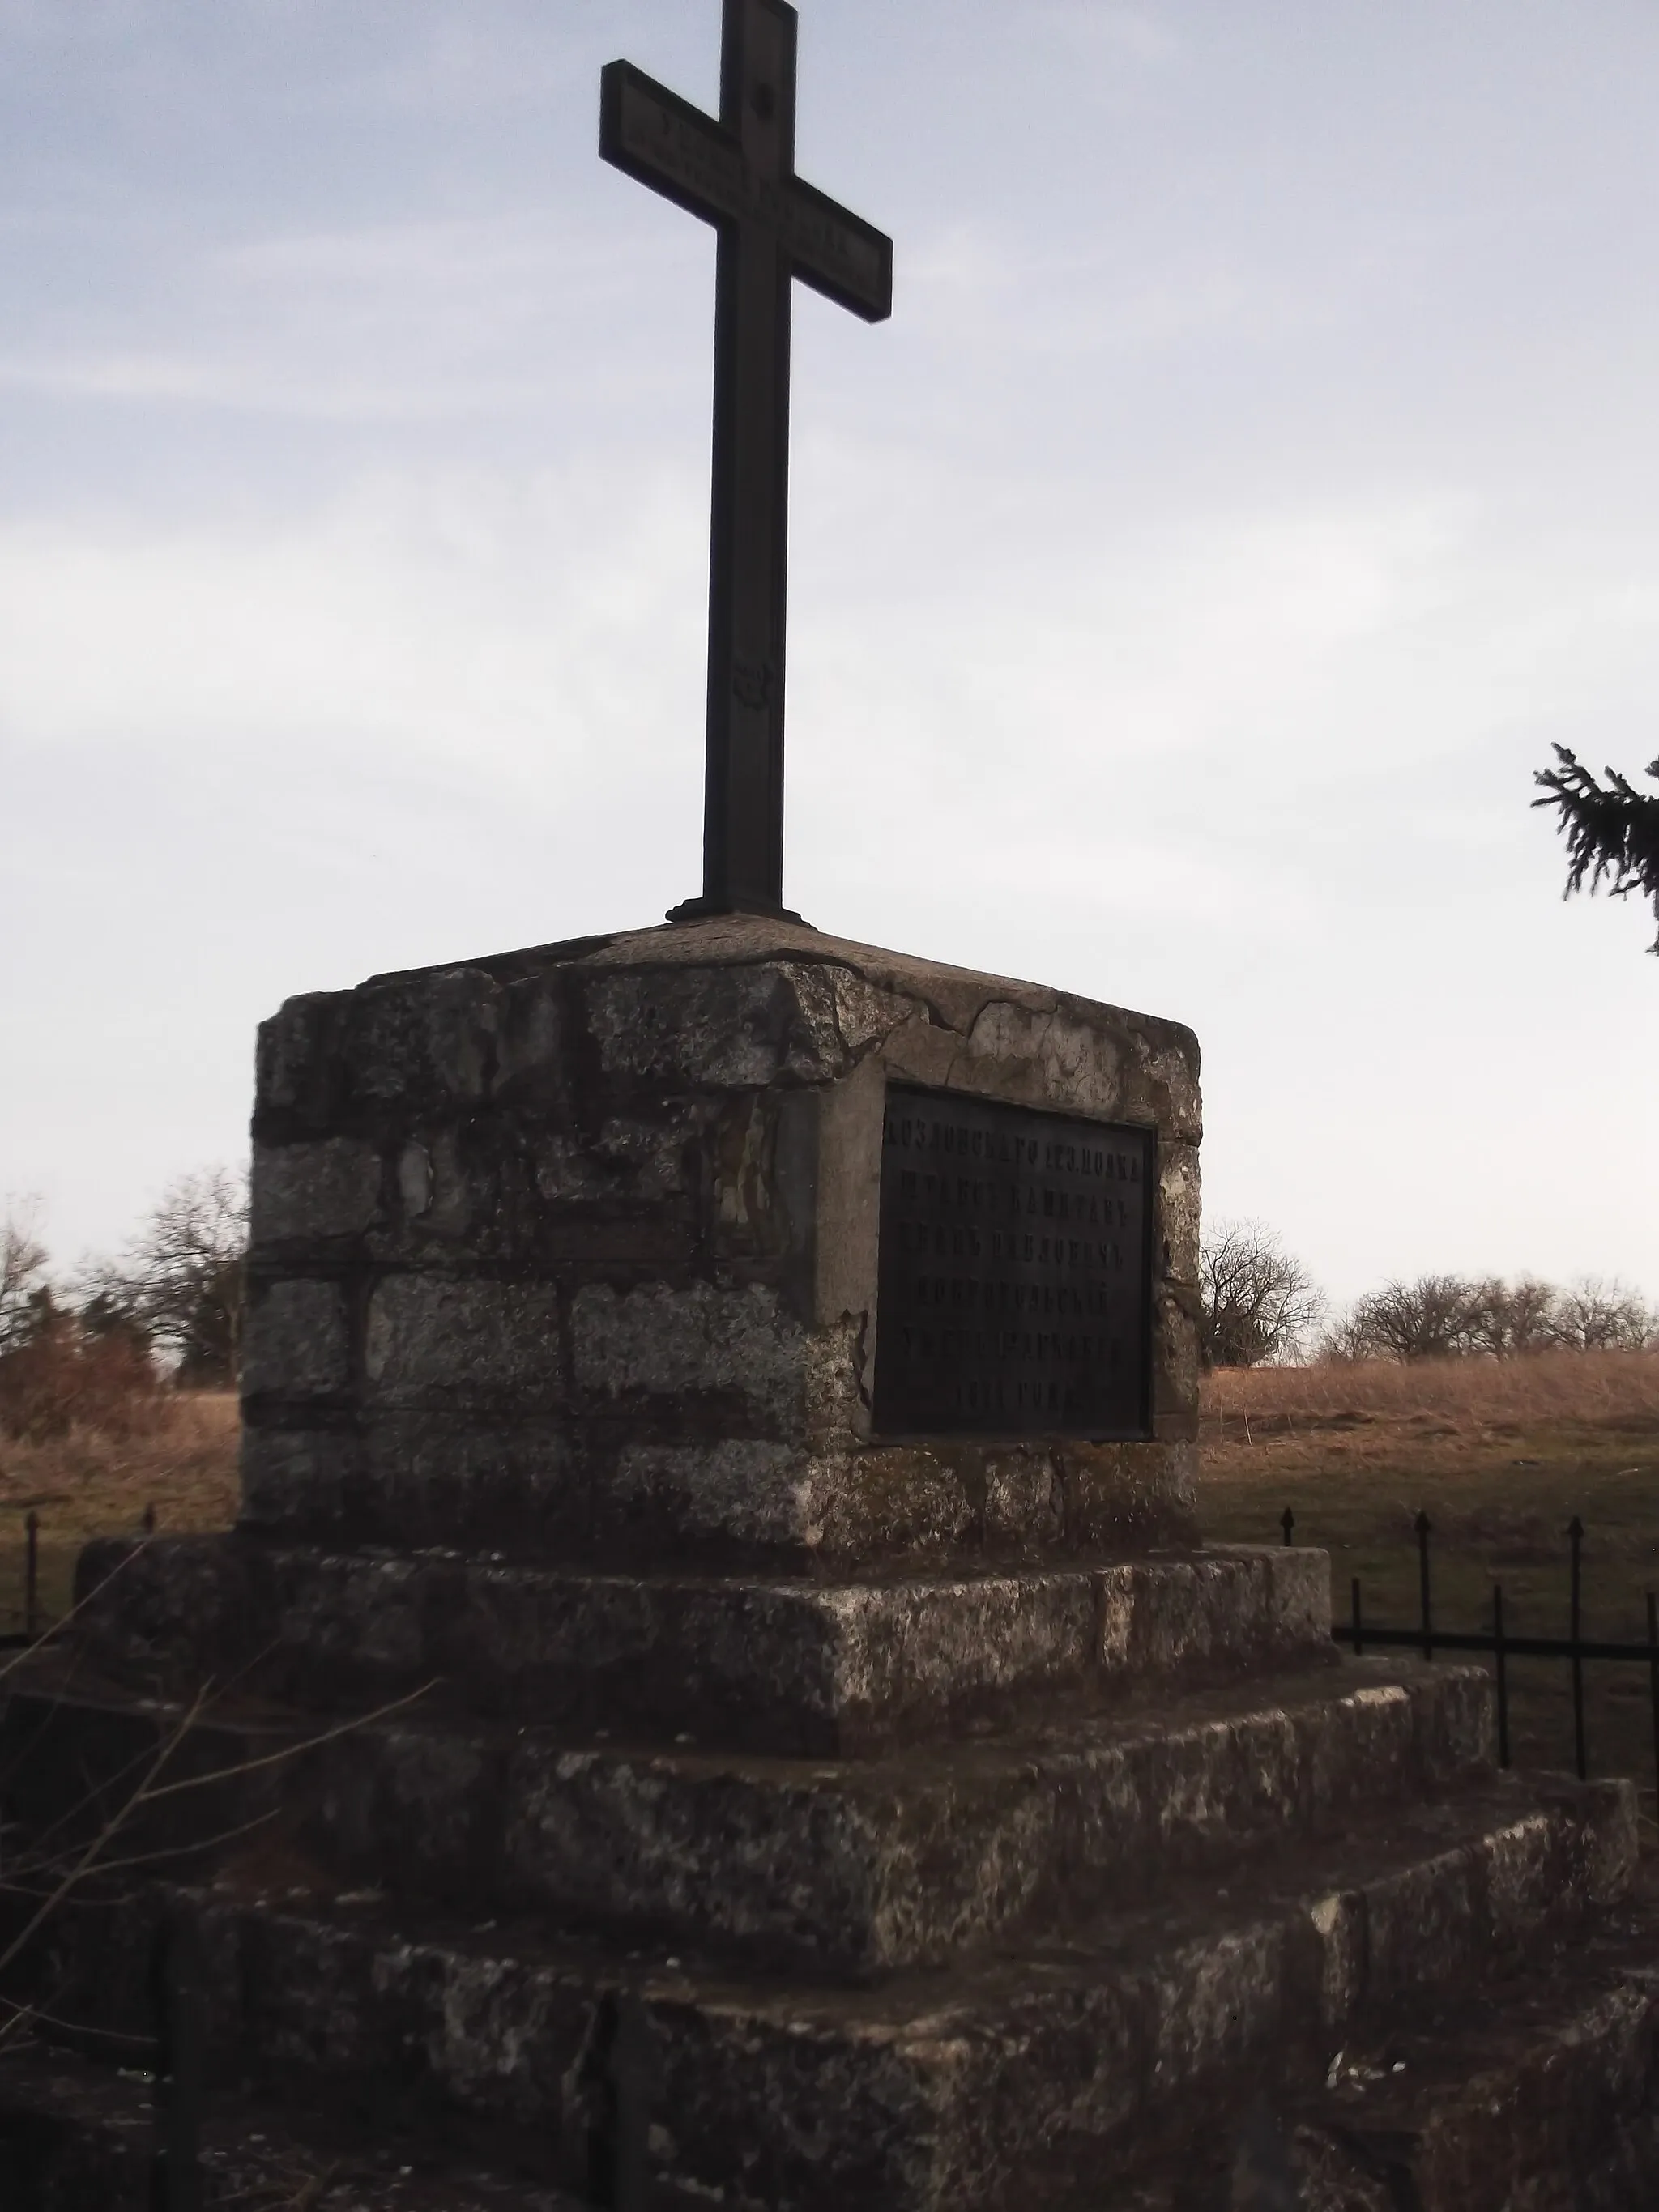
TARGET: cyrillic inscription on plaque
(1014,1271)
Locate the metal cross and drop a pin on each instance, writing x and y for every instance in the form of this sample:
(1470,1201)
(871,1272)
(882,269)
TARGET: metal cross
(739,175)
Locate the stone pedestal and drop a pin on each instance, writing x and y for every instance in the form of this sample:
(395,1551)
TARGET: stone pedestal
(649,1774)
(575,1252)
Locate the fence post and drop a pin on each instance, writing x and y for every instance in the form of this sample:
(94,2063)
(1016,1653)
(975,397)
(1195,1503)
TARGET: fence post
(1358,1631)
(1425,1528)
(31,1574)
(1653,1683)
(1501,1656)
(1576,1537)
(177,1982)
(1287,1522)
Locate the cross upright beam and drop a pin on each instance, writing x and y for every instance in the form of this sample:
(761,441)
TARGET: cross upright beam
(739,174)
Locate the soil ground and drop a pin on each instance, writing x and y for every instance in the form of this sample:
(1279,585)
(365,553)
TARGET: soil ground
(1499,1455)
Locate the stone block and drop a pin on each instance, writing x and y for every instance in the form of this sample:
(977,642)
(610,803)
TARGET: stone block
(737,1499)
(531,1064)
(313,1193)
(434,1341)
(1125,1497)
(630,1161)
(738,1344)
(1024,1502)
(417,1044)
(1179,1203)
(298,1341)
(449,1479)
(737,1028)
(295,1085)
(300,1479)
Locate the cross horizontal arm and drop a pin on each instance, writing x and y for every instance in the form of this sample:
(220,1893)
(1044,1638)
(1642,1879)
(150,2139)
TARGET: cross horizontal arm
(667,143)
(838,252)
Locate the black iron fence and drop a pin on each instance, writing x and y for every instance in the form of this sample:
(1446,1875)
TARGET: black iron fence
(1575,1649)
(29,1615)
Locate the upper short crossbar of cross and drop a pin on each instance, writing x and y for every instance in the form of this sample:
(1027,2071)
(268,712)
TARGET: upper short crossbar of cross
(690,159)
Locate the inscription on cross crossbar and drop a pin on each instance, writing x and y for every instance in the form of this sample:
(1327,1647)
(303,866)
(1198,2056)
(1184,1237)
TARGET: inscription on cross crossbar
(739,174)
(1013,1271)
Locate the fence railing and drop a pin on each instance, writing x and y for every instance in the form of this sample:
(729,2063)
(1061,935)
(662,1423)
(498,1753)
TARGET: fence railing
(1575,1648)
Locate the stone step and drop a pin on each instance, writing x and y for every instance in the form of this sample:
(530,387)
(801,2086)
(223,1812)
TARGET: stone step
(849,1868)
(77,2137)
(792,1667)
(1539,2090)
(967,2088)
(861,1868)
(1536,2092)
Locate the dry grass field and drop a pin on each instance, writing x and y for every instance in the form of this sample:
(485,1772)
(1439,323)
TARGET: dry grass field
(1500,1455)
(181,1462)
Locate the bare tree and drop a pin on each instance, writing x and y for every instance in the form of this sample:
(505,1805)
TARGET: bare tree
(1612,830)
(1259,1302)
(25,1297)
(1432,1318)
(1596,1315)
(180,1281)
(1509,1320)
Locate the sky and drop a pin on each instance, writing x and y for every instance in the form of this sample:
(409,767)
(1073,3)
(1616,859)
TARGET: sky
(1259,473)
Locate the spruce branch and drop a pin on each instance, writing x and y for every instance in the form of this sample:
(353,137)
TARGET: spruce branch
(1612,830)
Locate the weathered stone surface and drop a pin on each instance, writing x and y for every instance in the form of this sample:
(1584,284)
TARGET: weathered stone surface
(432,1342)
(313,1193)
(299,1480)
(657,1341)
(298,1341)
(912,2094)
(1178,1213)
(739,1027)
(785,1666)
(424,1043)
(635,1181)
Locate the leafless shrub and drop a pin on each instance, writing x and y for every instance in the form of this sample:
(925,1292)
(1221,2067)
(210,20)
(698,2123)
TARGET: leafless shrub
(1259,1302)
(1450,1317)
(1430,1318)
(1509,1320)
(180,1281)
(1594,1315)
(23,1287)
(65,1378)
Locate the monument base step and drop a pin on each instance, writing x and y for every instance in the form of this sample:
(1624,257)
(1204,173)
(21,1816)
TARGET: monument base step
(1538,2092)
(849,1868)
(950,2089)
(789,1666)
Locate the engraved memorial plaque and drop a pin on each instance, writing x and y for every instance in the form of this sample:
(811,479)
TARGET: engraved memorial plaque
(1014,1272)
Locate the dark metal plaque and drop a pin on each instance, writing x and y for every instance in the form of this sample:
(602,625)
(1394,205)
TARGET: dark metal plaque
(1014,1272)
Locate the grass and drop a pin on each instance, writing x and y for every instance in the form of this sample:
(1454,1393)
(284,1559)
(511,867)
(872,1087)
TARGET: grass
(182,1464)
(1500,1455)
